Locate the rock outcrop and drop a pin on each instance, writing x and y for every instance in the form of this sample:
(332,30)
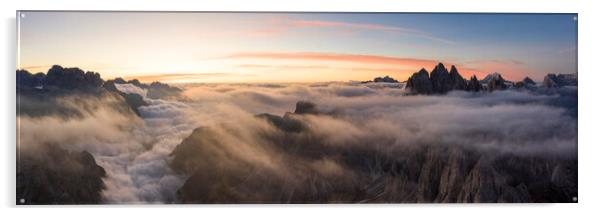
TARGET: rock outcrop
(528,81)
(157,90)
(423,173)
(457,81)
(386,79)
(72,79)
(304,107)
(495,81)
(474,85)
(559,80)
(440,81)
(58,176)
(26,80)
(420,83)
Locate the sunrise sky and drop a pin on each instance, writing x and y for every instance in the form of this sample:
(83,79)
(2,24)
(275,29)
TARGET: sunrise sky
(295,47)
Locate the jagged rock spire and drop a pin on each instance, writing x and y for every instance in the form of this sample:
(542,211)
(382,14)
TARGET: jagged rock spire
(457,81)
(440,79)
(420,83)
(474,85)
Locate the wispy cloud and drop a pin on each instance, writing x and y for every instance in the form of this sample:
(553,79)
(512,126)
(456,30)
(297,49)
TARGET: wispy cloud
(318,67)
(509,68)
(406,66)
(497,61)
(178,77)
(318,56)
(283,24)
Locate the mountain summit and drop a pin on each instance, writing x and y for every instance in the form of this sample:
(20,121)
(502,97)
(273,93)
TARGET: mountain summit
(440,81)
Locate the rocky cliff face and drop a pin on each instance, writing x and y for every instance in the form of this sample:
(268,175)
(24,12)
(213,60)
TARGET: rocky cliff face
(420,83)
(441,79)
(58,176)
(457,81)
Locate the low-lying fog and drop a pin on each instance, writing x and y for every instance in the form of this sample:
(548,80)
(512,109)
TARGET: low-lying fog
(135,152)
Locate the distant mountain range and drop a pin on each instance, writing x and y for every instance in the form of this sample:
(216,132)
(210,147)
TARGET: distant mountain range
(441,81)
(61,81)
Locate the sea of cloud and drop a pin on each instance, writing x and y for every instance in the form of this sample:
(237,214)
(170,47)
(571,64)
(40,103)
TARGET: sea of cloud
(135,151)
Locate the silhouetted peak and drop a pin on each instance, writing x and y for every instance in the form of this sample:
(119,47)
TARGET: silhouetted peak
(453,70)
(420,83)
(495,81)
(55,67)
(474,85)
(386,79)
(119,80)
(528,81)
(457,81)
(73,78)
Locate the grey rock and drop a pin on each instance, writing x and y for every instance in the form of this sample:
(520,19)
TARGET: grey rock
(559,80)
(420,83)
(495,81)
(386,79)
(441,79)
(474,85)
(457,81)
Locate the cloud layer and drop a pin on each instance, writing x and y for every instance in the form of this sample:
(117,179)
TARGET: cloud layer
(362,120)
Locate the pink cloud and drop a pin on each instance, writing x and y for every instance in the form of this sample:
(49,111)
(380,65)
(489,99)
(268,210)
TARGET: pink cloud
(283,24)
(357,58)
(510,69)
(176,77)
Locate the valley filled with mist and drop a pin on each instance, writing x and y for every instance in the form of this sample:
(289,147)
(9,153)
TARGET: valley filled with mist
(437,137)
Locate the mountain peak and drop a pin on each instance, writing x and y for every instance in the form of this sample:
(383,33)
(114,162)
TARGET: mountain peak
(453,70)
